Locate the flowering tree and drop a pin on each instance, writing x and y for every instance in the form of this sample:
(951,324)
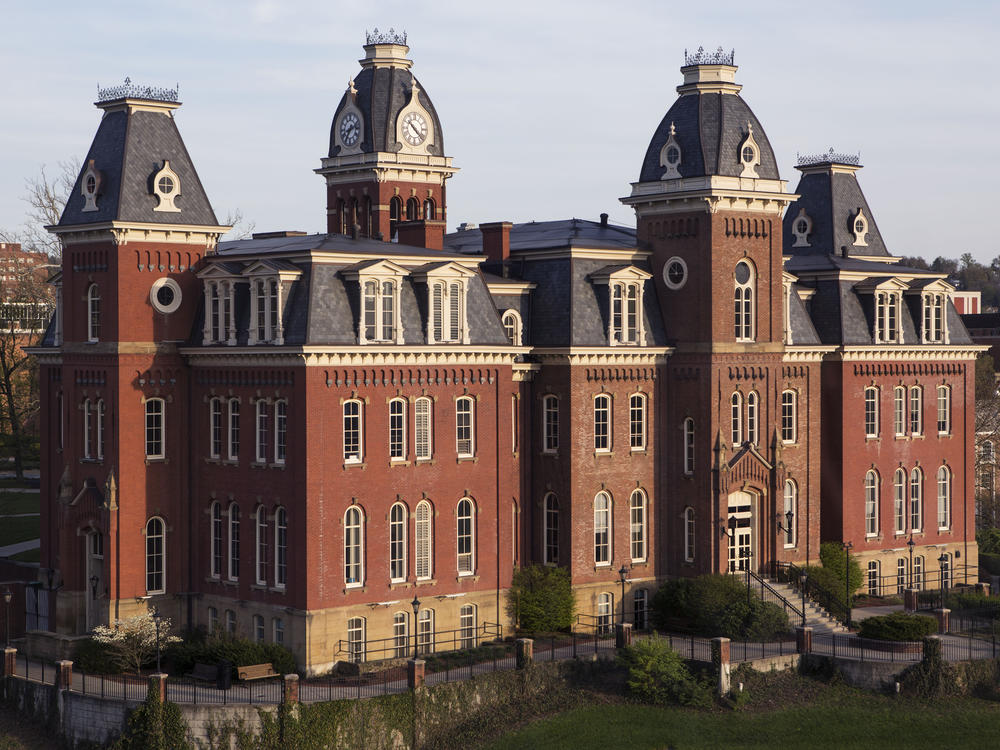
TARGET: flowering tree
(133,639)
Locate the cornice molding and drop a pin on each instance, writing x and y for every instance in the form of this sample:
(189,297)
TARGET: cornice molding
(351,356)
(604,356)
(122,232)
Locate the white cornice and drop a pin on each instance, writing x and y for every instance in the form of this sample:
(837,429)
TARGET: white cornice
(602,356)
(586,253)
(123,232)
(794,353)
(511,288)
(351,356)
(710,193)
(923,352)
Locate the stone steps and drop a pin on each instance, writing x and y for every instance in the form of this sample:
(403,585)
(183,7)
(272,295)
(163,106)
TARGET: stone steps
(817,618)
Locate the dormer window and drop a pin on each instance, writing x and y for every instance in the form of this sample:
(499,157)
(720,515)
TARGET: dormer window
(670,156)
(265,312)
(934,329)
(447,311)
(749,154)
(801,229)
(166,187)
(90,186)
(744,302)
(625,313)
(859,226)
(512,327)
(379,310)
(887,318)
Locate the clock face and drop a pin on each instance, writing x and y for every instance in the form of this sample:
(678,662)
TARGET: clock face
(350,129)
(414,128)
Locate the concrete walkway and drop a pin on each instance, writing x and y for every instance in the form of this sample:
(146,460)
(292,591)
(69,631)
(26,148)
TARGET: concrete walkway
(863,613)
(14,549)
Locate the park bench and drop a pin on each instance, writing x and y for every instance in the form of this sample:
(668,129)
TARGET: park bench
(256,672)
(208,672)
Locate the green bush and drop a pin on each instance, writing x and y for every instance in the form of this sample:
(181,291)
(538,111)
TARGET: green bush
(898,626)
(831,555)
(658,674)
(541,599)
(95,658)
(988,541)
(154,725)
(240,652)
(990,562)
(716,605)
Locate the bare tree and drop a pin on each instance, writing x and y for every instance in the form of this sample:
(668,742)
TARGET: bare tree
(46,198)
(242,228)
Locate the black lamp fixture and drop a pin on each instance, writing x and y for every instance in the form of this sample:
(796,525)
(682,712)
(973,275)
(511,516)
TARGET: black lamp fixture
(7,596)
(910,544)
(848,546)
(943,562)
(787,528)
(622,575)
(157,618)
(94,580)
(416,609)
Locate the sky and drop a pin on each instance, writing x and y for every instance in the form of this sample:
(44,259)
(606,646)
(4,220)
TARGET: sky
(547,107)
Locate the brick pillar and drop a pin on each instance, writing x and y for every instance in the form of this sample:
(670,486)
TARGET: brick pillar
(158,685)
(525,653)
(910,600)
(65,677)
(290,694)
(415,669)
(943,619)
(623,635)
(804,640)
(9,662)
(720,658)
(983,589)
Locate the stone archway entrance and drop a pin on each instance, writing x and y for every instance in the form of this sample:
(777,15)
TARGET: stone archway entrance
(741,531)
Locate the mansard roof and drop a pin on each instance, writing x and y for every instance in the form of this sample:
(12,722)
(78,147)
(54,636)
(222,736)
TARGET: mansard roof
(550,235)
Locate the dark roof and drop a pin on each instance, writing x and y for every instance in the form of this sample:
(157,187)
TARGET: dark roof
(709,129)
(550,235)
(832,199)
(129,149)
(330,243)
(981,320)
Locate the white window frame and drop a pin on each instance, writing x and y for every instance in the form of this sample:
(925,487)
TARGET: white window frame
(602,413)
(550,423)
(605,612)
(99,437)
(871,503)
(916,499)
(689,536)
(944,410)
(626,327)
(280,431)
(380,314)
(550,529)
(511,321)
(354,547)
(233,539)
(899,410)
(736,418)
(397,429)
(400,635)
(93,313)
(156,557)
(446,311)
(916,410)
(602,529)
(258,628)
(873,578)
(468,634)
(900,488)
(638,525)
(88,439)
(465,434)
(871,406)
(423,428)
(637,421)
(230,622)
(744,305)
(465,536)
(753,418)
(356,640)
(215,427)
(398,517)
(935,328)
(425,631)
(789,416)
(944,498)
(688,431)
(217,537)
(233,430)
(261,431)
(353,431)
(277,630)
(887,318)
(791,497)
(280,547)
(423,541)
(155,434)
(260,527)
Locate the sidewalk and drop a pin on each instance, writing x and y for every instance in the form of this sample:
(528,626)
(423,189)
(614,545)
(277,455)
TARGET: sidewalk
(13,549)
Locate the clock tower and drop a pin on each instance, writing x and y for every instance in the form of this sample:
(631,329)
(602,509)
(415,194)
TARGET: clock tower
(386,163)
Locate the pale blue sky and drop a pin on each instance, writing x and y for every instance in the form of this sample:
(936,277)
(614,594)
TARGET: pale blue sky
(547,107)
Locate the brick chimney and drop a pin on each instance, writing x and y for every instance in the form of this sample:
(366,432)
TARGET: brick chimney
(496,240)
(421,233)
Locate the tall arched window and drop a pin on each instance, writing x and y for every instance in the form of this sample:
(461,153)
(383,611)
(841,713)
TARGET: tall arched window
(899,501)
(216,551)
(430,211)
(791,506)
(551,530)
(602,529)
(602,423)
(424,540)
(899,410)
(234,542)
(395,214)
(262,431)
(916,500)
(397,429)
(88,436)
(689,534)
(400,637)
(234,429)
(736,418)
(512,327)
(397,542)
(916,410)
(466,537)
(467,625)
(753,417)
(280,431)
(871,412)
(352,431)
(637,525)
(280,547)
(743,301)
(944,498)
(425,631)
(261,529)
(93,313)
(550,424)
(464,442)
(689,446)
(943,410)
(353,541)
(215,427)
(605,612)
(637,421)
(155,554)
(412,209)
(100,429)
(154,428)
(422,428)
(871,503)
(789,416)
(356,639)
(640,607)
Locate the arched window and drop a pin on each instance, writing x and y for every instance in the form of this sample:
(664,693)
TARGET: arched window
(215,427)
(743,301)
(464,442)
(918,572)
(422,428)
(689,446)
(637,525)
(412,209)
(395,214)
(689,534)
(899,501)
(216,551)
(262,431)
(944,498)
(791,506)
(234,429)
(605,612)
(640,608)
(871,503)
(871,412)
(353,541)
(943,410)
(155,556)
(424,540)
(342,215)
(551,529)
(466,537)
(467,626)
(602,529)
(602,423)
(154,428)
(916,500)
(280,431)
(789,416)
(874,578)
(352,431)
(637,421)
(736,418)
(901,574)
(753,417)
(400,637)
(93,313)
(550,424)
(397,429)
(88,437)
(100,429)
(430,211)
(234,542)
(425,631)
(356,639)
(512,327)
(280,547)
(916,410)
(261,524)
(899,410)
(397,542)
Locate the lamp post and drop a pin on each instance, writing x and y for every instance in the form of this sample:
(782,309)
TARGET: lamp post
(848,546)
(94,580)
(157,617)
(787,528)
(911,545)
(802,590)
(622,573)
(7,596)
(942,562)
(416,609)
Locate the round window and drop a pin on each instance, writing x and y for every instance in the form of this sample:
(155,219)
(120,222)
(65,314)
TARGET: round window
(859,226)
(165,185)
(165,295)
(91,183)
(673,155)
(742,273)
(802,226)
(748,154)
(675,273)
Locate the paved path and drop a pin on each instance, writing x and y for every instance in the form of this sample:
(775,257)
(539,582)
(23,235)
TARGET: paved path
(13,549)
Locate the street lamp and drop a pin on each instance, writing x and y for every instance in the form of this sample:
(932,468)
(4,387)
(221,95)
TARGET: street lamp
(848,546)
(94,580)
(416,608)
(911,545)
(943,562)
(802,590)
(787,528)
(7,596)
(622,573)
(157,617)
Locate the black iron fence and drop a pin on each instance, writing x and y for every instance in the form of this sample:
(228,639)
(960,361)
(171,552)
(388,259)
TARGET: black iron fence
(798,578)
(405,645)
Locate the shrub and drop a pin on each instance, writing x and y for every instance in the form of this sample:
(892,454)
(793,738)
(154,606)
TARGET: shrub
(154,725)
(95,658)
(988,541)
(831,555)
(657,674)
(240,652)
(132,640)
(716,605)
(898,626)
(541,599)
(990,562)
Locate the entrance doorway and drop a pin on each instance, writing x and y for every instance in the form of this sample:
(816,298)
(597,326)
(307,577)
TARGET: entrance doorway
(94,586)
(740,531)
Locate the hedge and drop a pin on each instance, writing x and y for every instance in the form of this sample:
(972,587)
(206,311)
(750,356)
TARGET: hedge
(240,652)
(898,626)
(716,605)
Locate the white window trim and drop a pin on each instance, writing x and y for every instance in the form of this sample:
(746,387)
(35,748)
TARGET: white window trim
(644,509)
(643,400)
(162,429)
(163,555)
(547,528)
(689,534)
(946,411)
(359,456)
(874,431)
(514,325)
(609,442)
(403,542)
(430,541)
(472,427)
(688,444)
(876,492)
(471,555)
(260,435)
(233,571)
(282,456)
(230,443)
(429,429)
(402,429)
(93,312)
(260,545)
(360,582)
(548,399)
(609,544)
(794,419)
(278,527)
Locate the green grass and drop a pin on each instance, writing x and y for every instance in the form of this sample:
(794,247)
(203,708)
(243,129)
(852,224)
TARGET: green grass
(10,482)
(29,555)
(819,717)
(18,502)
(13,530)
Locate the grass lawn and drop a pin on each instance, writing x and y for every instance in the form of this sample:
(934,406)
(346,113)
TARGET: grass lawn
(814,715)
(18,502)
(29,555)
(10,482)
(14,530)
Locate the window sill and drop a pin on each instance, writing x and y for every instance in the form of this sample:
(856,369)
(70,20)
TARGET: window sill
(258,464)
(464,459)
(355,465)
(644,563)
(551,454)
(602,566)
(789,443)
(355,587)
(422,461)
(231,462)
(917,437)
(213,579)
(639,451)
(91,460)
(606,454)
(156,460)
(277,465)
(277,589)
(426,582)
(944,435)
(398,462)
(466,577)
(400,584)
(229,582)
(258,587)
(872,438)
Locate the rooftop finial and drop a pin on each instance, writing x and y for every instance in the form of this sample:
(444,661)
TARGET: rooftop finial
(385,37)
(129,90)
(701,57)
(830,157)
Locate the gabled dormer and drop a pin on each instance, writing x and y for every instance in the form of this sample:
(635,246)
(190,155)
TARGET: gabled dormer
(269,286)
(219,280)
(378,285)
(933,297)
(447,291)
(624,290)
(885,301)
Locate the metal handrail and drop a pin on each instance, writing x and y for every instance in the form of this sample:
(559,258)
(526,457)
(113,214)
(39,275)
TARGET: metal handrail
(775,596)
(829,601)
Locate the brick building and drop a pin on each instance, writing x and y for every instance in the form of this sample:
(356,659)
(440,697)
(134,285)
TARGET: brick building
(294,436)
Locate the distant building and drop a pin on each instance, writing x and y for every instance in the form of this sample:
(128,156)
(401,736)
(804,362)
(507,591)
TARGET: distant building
(967,303)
